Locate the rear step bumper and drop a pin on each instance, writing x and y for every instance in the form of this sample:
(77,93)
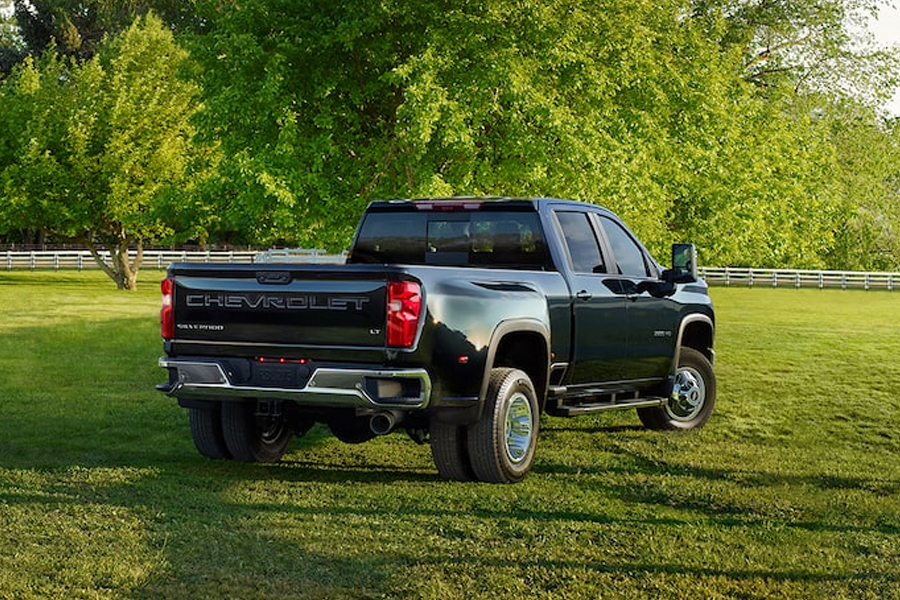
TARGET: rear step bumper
(333,387)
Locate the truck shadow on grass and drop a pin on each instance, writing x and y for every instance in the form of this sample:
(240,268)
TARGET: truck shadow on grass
(204,529)
(190,527)
(102,493)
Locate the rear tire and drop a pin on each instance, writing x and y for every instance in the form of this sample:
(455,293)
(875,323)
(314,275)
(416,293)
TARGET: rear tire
(206,430)
(450,452)
(251,438)
(693,396)
(503,442)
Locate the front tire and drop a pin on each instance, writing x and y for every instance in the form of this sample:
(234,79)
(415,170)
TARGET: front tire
(502,444)
(252,438)
(692,399)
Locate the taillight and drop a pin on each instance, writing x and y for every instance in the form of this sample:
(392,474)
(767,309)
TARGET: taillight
(404,306)
(167,313)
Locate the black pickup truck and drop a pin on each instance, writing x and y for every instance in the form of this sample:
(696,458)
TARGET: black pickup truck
(458,320)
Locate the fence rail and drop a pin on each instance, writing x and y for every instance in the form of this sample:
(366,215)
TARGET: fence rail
(748,277)
(160,259)
(728,276)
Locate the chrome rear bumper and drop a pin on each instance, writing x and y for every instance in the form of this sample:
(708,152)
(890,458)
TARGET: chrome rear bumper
(331,387)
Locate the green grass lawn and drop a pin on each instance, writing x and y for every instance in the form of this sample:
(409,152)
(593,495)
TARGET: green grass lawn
(791,491)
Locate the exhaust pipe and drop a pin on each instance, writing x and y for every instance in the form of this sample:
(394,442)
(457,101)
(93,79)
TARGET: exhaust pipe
(382,423)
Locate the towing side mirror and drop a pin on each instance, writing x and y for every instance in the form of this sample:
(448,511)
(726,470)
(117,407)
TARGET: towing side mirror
(684,264)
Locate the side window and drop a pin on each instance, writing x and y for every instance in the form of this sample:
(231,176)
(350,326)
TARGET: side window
(629,257)
(584,253)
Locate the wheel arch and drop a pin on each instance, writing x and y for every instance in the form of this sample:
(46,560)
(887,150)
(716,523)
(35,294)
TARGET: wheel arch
(524,345)
(696,331)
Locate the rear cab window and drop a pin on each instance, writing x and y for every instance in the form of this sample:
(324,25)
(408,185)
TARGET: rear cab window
(489,235)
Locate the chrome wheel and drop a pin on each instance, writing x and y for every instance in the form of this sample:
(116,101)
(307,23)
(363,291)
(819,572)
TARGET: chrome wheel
(502,443)
(519,428)
(688,395)
(693,396)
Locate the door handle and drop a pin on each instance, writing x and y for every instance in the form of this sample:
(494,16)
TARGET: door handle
(584,295)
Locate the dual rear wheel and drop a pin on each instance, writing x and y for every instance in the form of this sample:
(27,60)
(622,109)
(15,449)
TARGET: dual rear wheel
(224,430)
(498,448)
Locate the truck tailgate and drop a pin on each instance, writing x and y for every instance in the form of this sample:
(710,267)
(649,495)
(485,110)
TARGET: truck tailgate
(280,305)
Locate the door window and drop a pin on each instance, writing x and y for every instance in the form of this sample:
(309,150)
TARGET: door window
(629,256)
(584,253)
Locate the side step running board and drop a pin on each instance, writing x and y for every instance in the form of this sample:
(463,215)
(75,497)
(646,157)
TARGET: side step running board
(573,410)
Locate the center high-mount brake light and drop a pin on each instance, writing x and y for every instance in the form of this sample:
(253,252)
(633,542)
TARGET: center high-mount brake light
(448,205)
(404,307)
(167,312)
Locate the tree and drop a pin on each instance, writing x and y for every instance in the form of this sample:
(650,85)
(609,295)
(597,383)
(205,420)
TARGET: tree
(712,121)
(299,96)
(97,151)
(78,27)
(817,80)
(12,46)
(869,181)
(323,107)
(804,46)
(635,105)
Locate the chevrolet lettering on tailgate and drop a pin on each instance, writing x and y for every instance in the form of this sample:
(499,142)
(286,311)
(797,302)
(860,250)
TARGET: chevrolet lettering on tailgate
(274,302)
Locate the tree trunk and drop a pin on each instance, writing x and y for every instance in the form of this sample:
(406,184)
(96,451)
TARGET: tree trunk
(120,269)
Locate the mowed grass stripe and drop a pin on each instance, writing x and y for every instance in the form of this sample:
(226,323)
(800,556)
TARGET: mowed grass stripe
(791,491)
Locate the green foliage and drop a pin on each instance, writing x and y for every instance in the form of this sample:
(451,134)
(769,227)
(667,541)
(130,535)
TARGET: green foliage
(804,46)
(634,106)
(78,27)
(737,125)
(299,101)
(869,172)
(98,152)
(12,46)
(323,109)
(757,188)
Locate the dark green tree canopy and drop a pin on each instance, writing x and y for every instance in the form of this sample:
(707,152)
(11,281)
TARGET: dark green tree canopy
(745,126)
(77,27)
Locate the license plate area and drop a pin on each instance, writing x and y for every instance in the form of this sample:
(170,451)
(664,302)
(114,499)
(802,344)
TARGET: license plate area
(276,375)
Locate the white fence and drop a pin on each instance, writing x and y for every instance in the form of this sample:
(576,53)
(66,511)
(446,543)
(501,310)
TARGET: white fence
(160,259)
(748,277)
(728,276)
